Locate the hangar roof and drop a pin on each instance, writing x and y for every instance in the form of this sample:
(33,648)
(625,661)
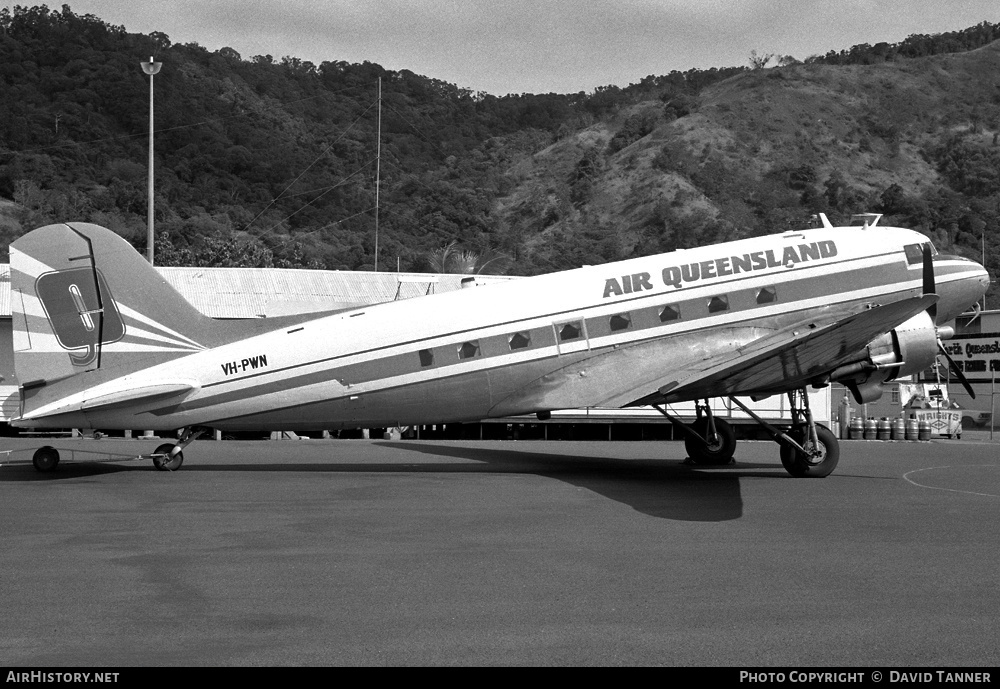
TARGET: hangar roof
(259,292)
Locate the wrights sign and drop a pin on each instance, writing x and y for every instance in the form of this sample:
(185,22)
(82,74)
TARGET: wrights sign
(679,276)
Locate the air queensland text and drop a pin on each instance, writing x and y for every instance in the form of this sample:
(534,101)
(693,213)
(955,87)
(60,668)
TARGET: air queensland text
(680,275)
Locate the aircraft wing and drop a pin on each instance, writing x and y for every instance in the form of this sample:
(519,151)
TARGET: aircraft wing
(789,358)
(714,362)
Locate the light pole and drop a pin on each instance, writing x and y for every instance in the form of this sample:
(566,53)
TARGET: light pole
(150,68)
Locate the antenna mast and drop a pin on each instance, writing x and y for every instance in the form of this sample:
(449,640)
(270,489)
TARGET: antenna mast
(378,166)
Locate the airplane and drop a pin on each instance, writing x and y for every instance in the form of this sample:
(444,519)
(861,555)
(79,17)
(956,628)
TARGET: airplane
(102,341)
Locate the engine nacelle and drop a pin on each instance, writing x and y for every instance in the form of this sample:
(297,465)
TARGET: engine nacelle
(908,349)
(911,348)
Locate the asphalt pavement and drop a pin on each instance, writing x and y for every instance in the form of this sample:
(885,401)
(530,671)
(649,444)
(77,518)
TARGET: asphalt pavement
(357,552)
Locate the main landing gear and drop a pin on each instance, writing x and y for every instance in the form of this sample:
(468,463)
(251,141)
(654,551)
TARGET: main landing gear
(708,440)
(806,450)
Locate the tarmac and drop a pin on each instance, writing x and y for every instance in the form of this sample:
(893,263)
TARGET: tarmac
(376,553)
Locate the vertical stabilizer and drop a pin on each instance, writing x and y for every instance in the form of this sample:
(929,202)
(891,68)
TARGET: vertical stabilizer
(82,299)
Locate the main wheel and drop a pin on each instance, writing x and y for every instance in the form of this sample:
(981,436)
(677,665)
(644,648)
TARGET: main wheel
(45,458)
(801,465)
(720,451)
(166,459)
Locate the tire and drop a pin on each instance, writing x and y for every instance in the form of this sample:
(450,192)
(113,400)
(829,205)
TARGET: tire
(801,465)
(720,452)
(45,459)
(168,462)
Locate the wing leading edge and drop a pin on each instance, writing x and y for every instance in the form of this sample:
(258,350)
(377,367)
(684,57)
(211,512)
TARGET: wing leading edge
(789,358)
(708,363)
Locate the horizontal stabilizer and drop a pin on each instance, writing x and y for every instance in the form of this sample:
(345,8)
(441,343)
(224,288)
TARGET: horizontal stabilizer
(108,397)
(145,393)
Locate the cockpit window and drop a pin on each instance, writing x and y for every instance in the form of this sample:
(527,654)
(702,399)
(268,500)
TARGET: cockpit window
(915,252)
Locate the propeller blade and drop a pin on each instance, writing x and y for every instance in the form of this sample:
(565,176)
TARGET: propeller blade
(929,286)
(957,371)
(977,308)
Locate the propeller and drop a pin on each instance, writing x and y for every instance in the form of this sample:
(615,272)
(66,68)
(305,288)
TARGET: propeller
(977,308)
(931,288)
(957,371)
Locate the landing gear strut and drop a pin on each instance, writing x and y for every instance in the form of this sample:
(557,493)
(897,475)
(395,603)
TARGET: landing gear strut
(808,449)
(169,457)
(815,450)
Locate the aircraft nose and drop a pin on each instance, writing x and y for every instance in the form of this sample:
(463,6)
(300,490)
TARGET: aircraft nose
(961,283)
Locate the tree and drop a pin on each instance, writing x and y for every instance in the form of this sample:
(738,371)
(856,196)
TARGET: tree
(452,259)
(759,61)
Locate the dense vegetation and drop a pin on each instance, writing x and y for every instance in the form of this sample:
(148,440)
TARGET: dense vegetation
(277,156)
(265,161)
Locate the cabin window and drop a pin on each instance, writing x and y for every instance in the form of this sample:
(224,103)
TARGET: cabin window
(519,340)
(914,254)
(717,304)
(671,312)
(767,295)
(620,321)
(570,331)
(426,357)
(468,350)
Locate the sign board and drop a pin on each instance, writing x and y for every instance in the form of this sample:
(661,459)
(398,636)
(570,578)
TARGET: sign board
(930,403)
(977,355)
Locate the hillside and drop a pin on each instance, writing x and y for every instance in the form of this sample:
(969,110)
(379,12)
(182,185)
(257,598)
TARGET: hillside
(766,150)
(261,161)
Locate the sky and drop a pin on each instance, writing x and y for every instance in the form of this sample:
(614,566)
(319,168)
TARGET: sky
(537,46)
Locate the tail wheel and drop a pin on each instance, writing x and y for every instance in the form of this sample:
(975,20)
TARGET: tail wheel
(168,458)
(45,458)
(817,465)
(718,451)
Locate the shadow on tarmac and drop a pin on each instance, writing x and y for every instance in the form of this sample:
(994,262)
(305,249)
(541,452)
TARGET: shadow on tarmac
(665,489)
(16,466)
(659,488)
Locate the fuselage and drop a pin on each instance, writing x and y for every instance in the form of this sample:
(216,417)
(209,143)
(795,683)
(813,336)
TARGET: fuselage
(596,336)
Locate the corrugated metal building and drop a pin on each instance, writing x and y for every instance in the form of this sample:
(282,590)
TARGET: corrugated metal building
(260,292)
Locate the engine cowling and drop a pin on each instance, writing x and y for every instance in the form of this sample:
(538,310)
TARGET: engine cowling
(907,349)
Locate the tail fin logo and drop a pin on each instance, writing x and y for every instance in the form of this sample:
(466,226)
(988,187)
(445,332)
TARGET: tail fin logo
(81,310)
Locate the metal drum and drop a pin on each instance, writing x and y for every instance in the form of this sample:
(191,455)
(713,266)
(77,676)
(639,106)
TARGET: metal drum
(871,429)
(898,429)
(856,430)
(884,429)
